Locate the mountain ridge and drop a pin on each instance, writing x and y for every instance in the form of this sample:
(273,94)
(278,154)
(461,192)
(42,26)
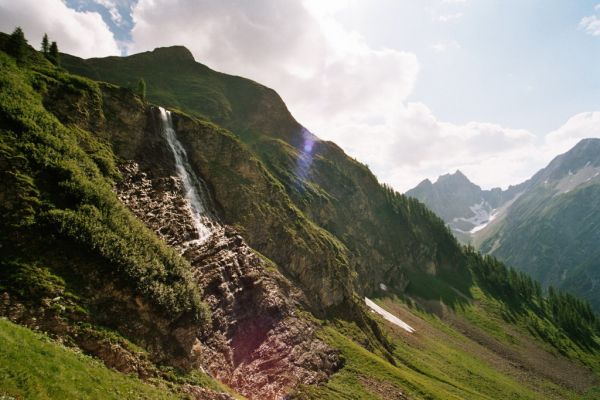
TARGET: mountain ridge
(526,232)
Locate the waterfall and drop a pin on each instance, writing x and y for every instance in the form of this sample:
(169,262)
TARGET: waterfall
(192,185)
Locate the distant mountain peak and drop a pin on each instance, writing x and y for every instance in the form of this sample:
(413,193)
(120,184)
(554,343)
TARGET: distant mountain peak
(588,141)
(456,178)
(586,153)
(585,145)
(589,147)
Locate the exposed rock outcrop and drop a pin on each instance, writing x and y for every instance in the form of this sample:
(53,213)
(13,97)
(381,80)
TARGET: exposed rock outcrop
(258,342)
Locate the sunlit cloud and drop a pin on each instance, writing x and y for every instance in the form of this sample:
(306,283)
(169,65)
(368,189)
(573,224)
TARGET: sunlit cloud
(77,32)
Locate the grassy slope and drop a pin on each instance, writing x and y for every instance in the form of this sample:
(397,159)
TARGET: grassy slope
(58,188)
(468,354)
(34,367)
(64,234)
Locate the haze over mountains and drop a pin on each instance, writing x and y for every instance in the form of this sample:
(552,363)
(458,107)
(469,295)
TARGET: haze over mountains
(547,226)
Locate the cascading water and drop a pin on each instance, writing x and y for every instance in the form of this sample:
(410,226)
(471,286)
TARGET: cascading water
(191,184)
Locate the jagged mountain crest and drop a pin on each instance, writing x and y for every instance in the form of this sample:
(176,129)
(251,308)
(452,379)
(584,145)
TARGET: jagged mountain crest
(463,205)
(544,226)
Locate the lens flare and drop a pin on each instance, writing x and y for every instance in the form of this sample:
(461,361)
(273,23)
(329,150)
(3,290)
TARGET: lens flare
(305,158)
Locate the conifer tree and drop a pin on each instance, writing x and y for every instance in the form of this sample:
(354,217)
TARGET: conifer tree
(53,54)
(142,88)
(45,45)
(17,44)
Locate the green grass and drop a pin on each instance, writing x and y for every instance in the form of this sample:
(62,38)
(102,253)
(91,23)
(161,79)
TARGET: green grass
(438,361)
(57,180)
(34,367)
(364,365)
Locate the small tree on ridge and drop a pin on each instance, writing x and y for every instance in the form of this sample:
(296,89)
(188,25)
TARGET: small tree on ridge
(17,44)
(45,45)
(53,54)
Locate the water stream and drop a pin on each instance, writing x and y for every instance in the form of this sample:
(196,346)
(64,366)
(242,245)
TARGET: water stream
(192,185)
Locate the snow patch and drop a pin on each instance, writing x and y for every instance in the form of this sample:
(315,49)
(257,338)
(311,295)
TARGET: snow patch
(383,286)
(483,214)
(388,316)
(492,217)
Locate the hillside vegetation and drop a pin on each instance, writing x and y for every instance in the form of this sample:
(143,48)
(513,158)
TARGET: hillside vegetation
(76,262)
(34,367)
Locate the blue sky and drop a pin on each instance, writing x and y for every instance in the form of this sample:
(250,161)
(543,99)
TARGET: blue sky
(522,64)
(413,88)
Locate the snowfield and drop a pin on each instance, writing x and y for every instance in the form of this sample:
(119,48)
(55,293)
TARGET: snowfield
(388,316)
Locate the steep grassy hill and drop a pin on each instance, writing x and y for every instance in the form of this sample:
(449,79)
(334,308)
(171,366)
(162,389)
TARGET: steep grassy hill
(384,239)
(33,366)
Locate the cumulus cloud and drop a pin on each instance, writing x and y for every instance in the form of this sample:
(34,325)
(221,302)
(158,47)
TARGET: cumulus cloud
(81,33)
(292,46)
(448,17)
(581,126)
(412,144)
(344,90)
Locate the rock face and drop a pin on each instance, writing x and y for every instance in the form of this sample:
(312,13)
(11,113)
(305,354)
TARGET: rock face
(257,343)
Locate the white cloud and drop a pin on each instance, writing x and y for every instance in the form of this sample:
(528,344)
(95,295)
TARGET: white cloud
(319,67)
(344,90)
(412,144)
(113,10)
(580,126)
(448,17)
(81,33)
(591,25)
